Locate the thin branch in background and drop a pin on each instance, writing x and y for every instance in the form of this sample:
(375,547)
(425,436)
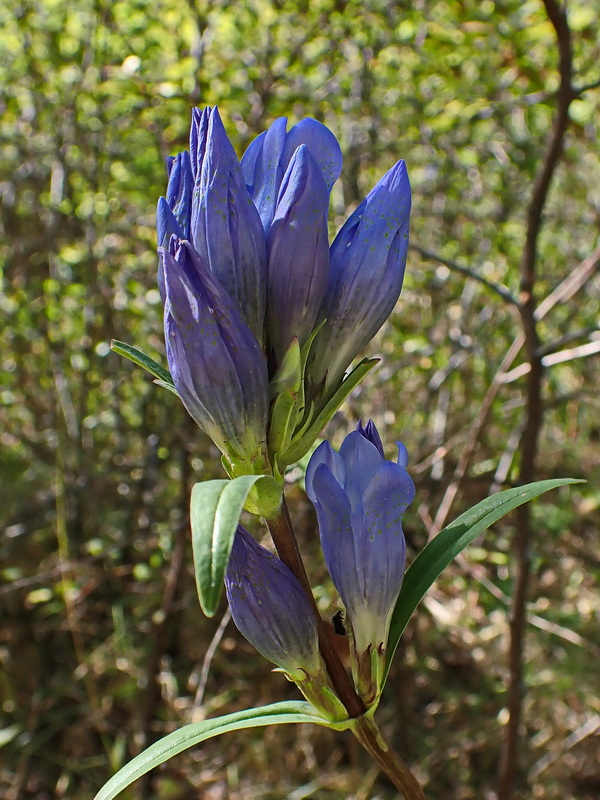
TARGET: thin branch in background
(575,280)
(439,453)
(500,290)
(558,344)
(472,438)
(202,680)
(506,459)
(589,728)
(440,419)
(583,351)
(509,762)
(164,619)
(579,90)
(477,573)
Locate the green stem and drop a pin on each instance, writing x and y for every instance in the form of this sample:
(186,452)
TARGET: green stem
(370,737)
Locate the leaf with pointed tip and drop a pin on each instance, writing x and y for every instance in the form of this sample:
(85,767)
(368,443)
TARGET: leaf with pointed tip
(162,375)
(314,425)
(166,385)
(215,510)
(275,714)
(436,555)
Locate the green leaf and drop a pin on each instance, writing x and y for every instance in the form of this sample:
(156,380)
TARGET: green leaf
(169,386)
(436,555)
(215,510)
(190,735)
(142,360)
(306,436)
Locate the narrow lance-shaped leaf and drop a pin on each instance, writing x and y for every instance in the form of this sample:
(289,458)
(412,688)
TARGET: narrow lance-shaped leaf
(190,735)
(436,556)
(162,375)
(316,421)
(214,515)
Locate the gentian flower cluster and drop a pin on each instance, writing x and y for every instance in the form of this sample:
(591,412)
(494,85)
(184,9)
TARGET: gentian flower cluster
(262,320)
(262,316)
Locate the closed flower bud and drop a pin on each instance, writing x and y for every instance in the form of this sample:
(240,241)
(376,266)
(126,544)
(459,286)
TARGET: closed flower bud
(266,160)
(270,608)
(360,498)
(298,251)
(368,258)
(225,227)
(217,365)
(179,192)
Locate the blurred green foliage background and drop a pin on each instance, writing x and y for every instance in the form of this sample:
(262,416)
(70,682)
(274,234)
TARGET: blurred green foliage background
(102,644)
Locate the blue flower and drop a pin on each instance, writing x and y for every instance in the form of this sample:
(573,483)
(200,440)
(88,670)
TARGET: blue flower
(360,499)
(267,158)
(210,206)
(254,235)
(216,363)
(298,249)
(270,608)
(368,259)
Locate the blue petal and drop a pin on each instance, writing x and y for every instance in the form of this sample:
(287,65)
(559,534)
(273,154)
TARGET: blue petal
(360,524)
(179,191)
(269,606)
(402,455)
(166,224)
(198,135)
(322,145)
(380,543)
(324,454)
(263,171)
(298,249)
(268,156)
(335,527)
(222,368)
(368,258)
(370,432)
(226,229)
(183,379)
(362,460)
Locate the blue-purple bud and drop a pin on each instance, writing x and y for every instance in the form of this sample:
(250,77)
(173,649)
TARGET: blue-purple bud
(179,194)
(266,160)
(270,608)
(360,499)
(225,227)
(368,258)
(298,251)
(217,365)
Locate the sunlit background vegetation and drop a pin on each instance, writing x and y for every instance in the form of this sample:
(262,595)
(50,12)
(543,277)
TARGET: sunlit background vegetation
(103,647)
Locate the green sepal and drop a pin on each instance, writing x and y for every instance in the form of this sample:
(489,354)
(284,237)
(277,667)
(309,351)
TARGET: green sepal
(283,713)
(215,510)
(441,550)
(289,373)
(162,375)
(287,397)
(305,436)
